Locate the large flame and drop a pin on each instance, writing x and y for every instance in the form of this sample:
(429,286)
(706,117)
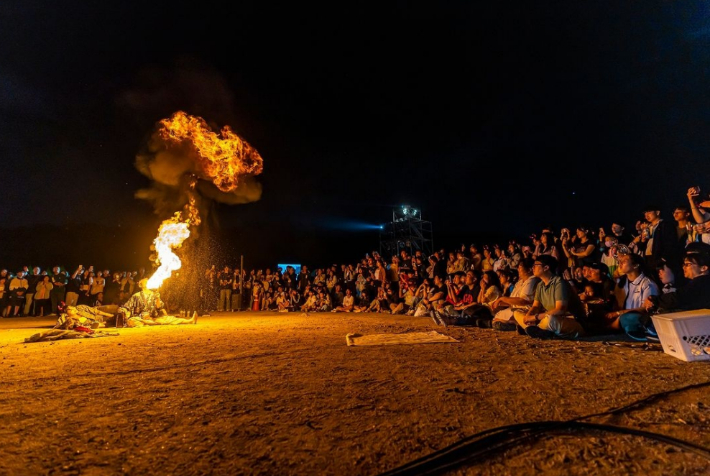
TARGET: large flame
(222,159)
(171,234)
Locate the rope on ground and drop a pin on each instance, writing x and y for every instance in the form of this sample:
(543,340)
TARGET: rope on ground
(481,445)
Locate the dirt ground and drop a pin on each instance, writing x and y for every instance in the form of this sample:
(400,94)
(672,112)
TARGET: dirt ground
(270,393)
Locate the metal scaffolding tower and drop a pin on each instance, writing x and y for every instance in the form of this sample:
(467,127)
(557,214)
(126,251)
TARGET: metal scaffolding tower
(407,231)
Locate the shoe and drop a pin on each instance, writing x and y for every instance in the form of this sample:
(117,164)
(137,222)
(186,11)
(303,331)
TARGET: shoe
(484,323)
(446,320)
(435,317)
(639,336)
(537,333)
(504,326)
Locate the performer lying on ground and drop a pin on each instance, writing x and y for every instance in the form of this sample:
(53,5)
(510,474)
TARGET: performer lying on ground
(71,317)
(145,308)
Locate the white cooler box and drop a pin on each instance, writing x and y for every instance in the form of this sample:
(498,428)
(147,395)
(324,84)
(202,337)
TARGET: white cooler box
(685,335)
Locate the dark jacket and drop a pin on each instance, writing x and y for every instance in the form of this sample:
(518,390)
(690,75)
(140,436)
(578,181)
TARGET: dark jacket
(666,245)
(694,295)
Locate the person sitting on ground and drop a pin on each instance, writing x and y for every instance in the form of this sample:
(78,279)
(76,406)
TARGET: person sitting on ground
(666,278)
(521,298)
(338,295)
(379,304)
(282,301)
(348,303)
(362,303)
(454,287)
(514,256)
(632,290)
(392,298)
(311,299)
(490,288)
(608,254)
(556,307)
(693,295)
(406,302)
(467,311)
(583,250)
(501,261)
(145,308)
(507,280)
(462,264)
(476,258)
(434,296)
(323,301)
(294,300)
(547,246)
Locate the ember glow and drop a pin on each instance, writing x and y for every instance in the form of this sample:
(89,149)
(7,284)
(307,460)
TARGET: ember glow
(223,159)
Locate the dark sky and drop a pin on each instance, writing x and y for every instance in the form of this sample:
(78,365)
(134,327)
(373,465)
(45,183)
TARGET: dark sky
(494,117)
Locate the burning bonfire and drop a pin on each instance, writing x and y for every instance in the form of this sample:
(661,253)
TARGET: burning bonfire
(222,159)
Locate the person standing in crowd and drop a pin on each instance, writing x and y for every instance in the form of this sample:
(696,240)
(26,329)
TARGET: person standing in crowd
(225,289)
(681,215)
(18,288)
(43,304)
(660,240)
(74,287)
(33,279)
(59,285)
(112,289)
(97,286)
(87,278)
(619,232)
(4,292)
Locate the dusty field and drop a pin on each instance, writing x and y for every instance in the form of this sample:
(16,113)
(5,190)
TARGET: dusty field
(283,394)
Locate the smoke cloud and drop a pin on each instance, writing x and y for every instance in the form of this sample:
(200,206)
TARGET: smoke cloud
(198,88)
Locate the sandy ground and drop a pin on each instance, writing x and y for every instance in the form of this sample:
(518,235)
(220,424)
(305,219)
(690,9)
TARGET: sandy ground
(277,393)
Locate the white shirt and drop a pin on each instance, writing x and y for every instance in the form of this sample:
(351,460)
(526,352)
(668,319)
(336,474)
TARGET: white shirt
(525,289)
(638,290)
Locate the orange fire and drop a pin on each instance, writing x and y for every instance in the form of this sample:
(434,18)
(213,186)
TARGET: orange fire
(171,235)
(223,159)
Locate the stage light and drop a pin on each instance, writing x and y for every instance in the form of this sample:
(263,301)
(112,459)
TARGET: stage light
(382,227)
(405,210)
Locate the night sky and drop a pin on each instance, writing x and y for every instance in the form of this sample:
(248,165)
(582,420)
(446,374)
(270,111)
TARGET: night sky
(495,119)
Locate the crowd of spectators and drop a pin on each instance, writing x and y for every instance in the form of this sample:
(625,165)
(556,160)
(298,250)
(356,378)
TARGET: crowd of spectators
(38,292)
(566,284)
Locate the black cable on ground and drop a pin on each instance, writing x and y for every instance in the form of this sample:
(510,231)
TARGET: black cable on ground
(504,437)
(483,444)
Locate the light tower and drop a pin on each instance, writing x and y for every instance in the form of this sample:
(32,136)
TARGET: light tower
(407,231)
